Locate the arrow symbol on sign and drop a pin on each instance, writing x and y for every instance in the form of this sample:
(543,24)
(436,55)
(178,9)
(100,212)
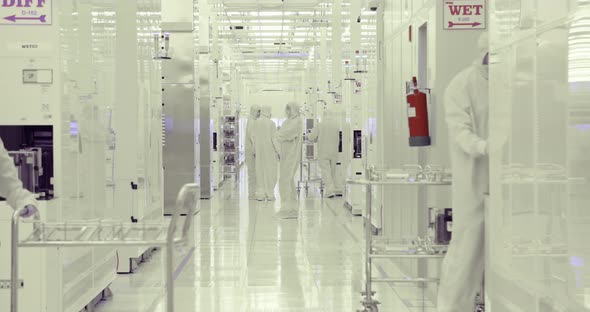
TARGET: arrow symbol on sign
(14,18)
(453,24)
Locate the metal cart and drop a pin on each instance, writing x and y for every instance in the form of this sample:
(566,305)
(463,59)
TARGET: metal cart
(401,177)
(309,172)
(107,233)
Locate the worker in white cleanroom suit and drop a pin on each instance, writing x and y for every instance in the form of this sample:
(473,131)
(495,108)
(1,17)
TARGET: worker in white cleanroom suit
(11,187)
(289,139)
(466,110)
(250,152)
(267,155)
(327,135)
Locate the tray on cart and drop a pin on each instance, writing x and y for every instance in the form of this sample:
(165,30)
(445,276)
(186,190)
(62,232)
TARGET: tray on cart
(96,232)
(411,174)
(386,248)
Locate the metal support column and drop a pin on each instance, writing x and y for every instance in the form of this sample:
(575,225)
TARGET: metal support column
(336,43)
(205,122)
(180,110)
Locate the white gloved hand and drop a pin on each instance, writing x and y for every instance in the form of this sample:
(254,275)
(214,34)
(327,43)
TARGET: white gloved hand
(482,148)
(29,211)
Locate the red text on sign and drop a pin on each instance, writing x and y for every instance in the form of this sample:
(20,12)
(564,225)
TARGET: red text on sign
(466,9)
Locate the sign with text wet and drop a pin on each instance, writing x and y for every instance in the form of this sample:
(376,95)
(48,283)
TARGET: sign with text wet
(26,12)
(464,14)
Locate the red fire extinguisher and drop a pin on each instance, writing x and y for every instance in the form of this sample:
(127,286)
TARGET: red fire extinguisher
(418,116)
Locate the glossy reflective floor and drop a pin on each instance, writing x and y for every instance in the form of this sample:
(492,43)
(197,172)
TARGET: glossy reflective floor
(245,260)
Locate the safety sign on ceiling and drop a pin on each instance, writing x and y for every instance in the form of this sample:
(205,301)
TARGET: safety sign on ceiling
(464,14)
(26,12)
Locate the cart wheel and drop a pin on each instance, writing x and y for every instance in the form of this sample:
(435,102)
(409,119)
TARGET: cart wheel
(371,307)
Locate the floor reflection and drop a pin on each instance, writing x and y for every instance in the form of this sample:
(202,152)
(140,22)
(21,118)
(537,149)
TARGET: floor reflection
(246,260)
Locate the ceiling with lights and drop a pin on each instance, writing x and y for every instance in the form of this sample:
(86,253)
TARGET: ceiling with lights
(274,41)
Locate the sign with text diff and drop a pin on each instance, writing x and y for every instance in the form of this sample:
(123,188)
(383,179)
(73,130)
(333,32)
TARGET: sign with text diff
(26,12)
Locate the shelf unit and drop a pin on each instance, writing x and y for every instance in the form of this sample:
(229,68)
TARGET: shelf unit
(229,156)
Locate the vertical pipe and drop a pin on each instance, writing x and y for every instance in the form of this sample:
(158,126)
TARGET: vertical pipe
(205,100)
(205,123)
(14,263)
(301,167)
(169,272)
(380,135)
(336,43)
(369,242)
(322,82)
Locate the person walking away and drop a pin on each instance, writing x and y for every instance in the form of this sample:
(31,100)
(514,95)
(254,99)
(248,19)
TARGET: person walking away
(250,151)
(289,139)
(327,135)
(267,155)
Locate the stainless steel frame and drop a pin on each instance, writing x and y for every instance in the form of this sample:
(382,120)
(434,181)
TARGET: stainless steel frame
(179,157)
(107,233)
(206,124)
(305,164)
(180,151)
(378,177)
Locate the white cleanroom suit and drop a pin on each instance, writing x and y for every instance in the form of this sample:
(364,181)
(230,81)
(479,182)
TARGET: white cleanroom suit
(267,155)
(466,109)
(11,187)
(250,152)
(289,139)
(327,135)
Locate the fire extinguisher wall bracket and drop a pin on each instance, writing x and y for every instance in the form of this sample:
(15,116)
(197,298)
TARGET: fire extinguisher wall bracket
(420,141)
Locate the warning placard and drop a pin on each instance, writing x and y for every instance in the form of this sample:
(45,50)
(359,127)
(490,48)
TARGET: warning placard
(26,12)
(464,14)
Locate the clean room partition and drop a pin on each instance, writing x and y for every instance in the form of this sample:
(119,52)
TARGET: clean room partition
(538,218)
